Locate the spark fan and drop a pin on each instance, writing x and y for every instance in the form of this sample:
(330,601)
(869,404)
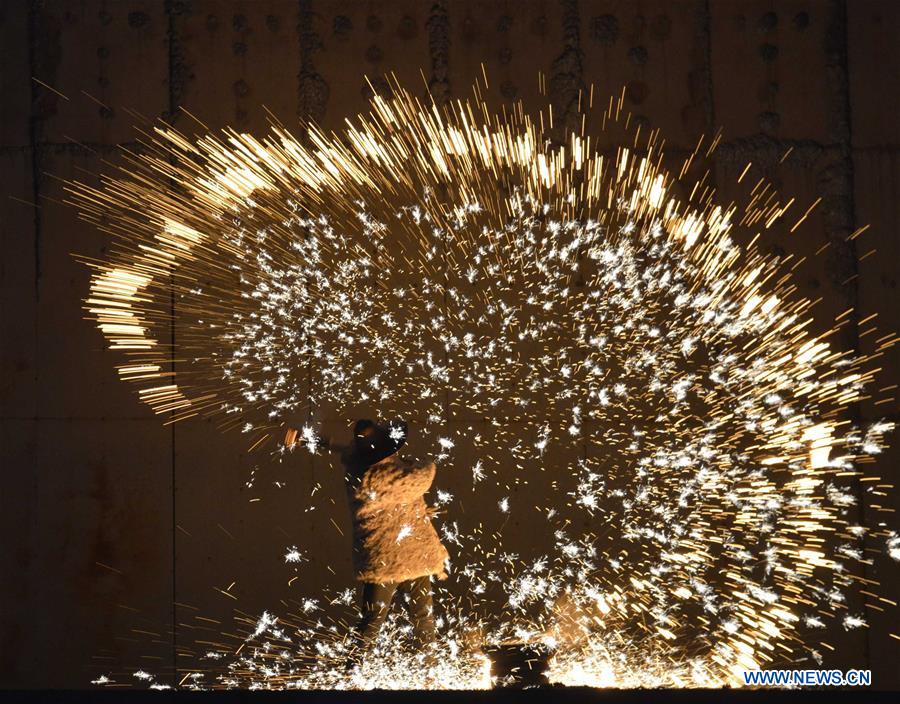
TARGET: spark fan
(565,310)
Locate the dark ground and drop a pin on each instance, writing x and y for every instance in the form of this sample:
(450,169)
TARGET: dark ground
(560,696)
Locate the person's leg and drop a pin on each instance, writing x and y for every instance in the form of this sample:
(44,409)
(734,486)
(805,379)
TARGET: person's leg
(376,602)
(418,597)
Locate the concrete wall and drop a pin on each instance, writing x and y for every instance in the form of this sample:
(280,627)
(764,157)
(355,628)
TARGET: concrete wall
(108,518)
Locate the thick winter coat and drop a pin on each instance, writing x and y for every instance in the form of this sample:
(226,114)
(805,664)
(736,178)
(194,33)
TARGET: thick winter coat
(393,539)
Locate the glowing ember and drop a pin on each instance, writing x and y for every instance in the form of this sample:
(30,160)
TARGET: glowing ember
(639,362)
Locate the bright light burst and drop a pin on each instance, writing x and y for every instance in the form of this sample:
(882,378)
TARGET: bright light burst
(545,309)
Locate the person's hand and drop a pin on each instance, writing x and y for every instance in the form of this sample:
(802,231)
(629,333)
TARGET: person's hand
(291,436)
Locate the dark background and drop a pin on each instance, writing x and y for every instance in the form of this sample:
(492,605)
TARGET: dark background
(108,517)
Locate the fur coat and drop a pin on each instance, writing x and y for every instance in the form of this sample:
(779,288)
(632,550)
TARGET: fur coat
(393,539)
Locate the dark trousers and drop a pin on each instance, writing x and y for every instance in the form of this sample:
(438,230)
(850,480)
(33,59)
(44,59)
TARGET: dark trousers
(376,601)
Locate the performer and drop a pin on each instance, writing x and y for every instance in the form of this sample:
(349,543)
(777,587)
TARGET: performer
(395,547)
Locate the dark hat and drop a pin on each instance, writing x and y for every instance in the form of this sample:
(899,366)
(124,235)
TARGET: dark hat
(372,442)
